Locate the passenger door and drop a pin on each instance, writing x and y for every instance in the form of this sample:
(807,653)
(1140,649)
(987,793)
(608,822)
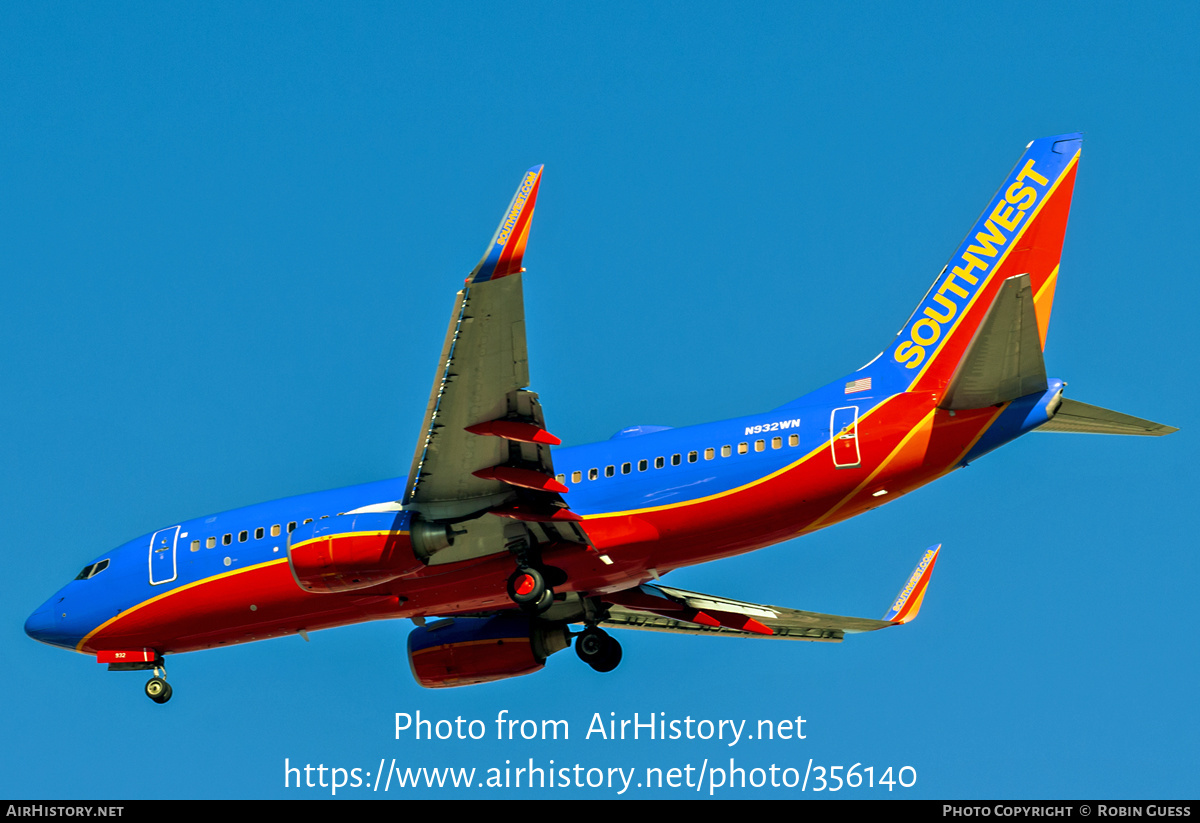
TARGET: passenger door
(162,555)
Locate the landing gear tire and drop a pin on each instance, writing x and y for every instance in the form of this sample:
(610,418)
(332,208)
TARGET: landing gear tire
(612,657)
(526,587)
(542,605)
(158,690)
(598,649)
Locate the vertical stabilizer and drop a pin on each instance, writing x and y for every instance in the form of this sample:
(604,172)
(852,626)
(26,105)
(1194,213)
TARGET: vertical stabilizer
(1019,233)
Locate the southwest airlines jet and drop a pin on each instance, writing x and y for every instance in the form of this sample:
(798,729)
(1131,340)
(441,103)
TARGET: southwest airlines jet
(522,548)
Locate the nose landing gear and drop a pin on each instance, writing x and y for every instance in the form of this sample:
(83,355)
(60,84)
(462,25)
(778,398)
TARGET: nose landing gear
(140,660)
(157,687)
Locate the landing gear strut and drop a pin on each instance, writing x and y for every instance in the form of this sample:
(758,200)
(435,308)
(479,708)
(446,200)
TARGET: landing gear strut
(157,687)
(598,649)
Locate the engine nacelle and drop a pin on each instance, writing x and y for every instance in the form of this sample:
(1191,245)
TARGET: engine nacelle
(352,552)
(462,651)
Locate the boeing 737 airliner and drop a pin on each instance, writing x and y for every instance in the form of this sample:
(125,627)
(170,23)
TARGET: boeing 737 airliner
(522,548)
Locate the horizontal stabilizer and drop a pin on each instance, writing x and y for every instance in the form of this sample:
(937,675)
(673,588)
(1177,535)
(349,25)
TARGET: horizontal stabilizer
(1082,418)
(1003,361)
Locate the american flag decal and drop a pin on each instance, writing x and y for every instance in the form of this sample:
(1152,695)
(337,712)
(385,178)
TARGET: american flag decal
(858,385)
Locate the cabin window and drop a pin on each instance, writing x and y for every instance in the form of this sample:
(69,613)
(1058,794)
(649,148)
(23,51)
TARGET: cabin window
(226,539)
(307,520)
(593,474)
(576,477)
(709,454)
(659,462)
(793,440)
(676,459)
(195,545)
(643,465)
(609,471)
(291,527)
(776,442)
(561,478)
(760,445)
(258,533)
(743,448)
(626,468)
(275,530)
(210,543)
(243,536)
(726,451)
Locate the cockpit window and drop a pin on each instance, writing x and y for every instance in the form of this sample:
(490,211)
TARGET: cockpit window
(92,570)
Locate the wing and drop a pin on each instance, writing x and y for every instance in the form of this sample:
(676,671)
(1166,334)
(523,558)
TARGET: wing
(484,444)
(659,608)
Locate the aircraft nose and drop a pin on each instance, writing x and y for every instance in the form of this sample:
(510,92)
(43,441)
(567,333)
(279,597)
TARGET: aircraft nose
(40,624)
(49,625)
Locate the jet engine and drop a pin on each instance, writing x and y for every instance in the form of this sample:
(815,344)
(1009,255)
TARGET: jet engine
(461,651)
(352,552)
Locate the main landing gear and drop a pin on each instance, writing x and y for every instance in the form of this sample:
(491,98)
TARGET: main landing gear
(157,687)
(598,649)
(527,588)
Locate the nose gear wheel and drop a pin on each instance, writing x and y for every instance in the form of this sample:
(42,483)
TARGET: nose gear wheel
(157,687)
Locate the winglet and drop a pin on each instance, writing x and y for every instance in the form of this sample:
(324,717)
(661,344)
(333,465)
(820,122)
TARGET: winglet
(908,602)
(504,254)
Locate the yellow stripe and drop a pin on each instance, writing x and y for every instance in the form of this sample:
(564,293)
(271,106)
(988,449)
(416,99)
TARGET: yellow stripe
(336,535)
(1004,256)
(975,439)
(967,450)
(166,594)
(903,442)
(749,485)
(1049,280)
(1042,313)
(155,599)
(954,463)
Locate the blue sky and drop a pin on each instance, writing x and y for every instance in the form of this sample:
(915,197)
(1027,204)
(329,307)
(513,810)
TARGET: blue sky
(231,235)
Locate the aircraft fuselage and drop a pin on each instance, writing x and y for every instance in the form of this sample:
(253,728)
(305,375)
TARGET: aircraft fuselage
(663,500)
